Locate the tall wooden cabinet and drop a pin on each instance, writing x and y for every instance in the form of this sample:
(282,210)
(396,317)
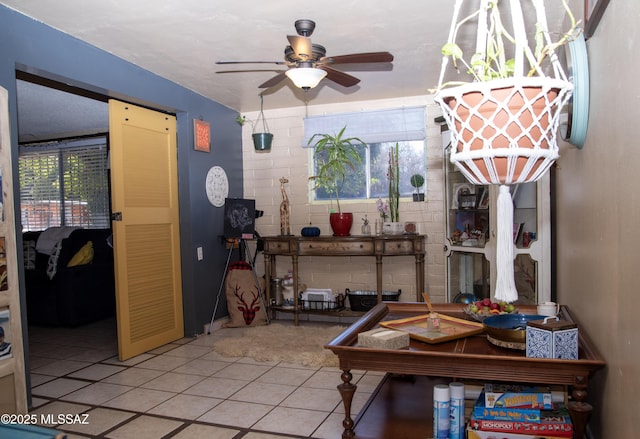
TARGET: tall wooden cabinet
(470,237)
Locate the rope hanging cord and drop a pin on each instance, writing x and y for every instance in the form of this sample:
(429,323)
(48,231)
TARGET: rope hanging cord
(504,131)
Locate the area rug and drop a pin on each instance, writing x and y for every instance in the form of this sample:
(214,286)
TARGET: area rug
(303,344)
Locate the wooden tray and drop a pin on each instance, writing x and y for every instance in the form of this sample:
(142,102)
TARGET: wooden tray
(451,328)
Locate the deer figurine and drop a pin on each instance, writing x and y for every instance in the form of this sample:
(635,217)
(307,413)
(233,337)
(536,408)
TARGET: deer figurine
(248,311)
(284,209)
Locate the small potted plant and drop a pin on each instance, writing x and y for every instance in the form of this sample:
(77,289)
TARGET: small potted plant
(335,155)
(261,139)
(417,181)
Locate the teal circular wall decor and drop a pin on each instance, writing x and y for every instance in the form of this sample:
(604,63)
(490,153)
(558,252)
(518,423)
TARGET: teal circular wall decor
(575,131)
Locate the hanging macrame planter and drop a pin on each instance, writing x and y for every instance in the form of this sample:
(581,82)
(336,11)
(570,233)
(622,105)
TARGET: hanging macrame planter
(504,131)
(262,140)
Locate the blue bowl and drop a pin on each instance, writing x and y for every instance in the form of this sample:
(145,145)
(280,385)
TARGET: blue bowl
(509,327)
(310,231)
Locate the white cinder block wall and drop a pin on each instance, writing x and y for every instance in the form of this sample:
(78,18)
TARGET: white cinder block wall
(262,172)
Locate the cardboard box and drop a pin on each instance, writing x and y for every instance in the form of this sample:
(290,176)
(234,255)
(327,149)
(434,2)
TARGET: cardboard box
(556,422)
(517,396)
(475,434)
(383,338)
(481,411)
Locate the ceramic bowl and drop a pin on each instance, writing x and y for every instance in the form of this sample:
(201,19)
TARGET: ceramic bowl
(509,327)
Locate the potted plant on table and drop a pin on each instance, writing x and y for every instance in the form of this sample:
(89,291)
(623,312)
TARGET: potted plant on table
(335,155)
(417,181)
(504,124)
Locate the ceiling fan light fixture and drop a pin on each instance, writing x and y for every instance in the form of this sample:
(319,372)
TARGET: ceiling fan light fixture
(306,77)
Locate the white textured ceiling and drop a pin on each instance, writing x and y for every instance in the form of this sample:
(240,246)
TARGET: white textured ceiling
(182,39)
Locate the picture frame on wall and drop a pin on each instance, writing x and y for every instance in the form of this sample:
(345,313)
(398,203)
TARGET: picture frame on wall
(593,11)
(201,135)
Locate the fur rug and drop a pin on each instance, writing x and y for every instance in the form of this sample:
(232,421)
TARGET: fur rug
(303,344)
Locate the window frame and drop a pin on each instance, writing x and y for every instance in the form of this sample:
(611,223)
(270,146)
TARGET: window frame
(46,204)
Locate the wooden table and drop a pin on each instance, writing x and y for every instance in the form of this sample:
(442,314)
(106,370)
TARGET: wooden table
(378,246)
(467,358)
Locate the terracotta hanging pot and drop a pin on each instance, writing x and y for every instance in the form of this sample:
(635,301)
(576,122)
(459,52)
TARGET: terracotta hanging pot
(341,223)
(505,132)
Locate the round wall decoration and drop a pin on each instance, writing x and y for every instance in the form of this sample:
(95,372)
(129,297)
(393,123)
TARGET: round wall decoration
(575,132)
(217,186)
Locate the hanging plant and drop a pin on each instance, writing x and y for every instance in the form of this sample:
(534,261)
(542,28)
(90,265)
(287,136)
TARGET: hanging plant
(504,125)
(262,138)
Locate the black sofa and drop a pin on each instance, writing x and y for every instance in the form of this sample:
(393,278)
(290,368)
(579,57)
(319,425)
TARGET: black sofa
(75,295)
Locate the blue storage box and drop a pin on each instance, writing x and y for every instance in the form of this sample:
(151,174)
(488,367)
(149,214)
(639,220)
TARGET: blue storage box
(552,338)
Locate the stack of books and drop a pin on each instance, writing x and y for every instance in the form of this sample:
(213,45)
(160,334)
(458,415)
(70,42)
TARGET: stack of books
(517,412)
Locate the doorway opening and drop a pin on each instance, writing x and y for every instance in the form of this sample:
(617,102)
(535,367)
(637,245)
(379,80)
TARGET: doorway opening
(63,158)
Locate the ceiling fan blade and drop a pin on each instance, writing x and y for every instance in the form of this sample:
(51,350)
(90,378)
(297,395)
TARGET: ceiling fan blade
(249,71)
(252,62)
(273,81)
(301,46)
(356,58)
(342,78)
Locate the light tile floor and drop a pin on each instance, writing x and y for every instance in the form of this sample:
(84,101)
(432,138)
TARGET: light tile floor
(182,390)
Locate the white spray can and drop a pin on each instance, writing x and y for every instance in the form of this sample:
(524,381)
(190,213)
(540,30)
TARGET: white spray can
(441,411)
(456,408)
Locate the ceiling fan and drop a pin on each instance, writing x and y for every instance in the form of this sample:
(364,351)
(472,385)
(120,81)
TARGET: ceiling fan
(308,63)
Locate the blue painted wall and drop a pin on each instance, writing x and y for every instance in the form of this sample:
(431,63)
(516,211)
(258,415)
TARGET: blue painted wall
(30,46)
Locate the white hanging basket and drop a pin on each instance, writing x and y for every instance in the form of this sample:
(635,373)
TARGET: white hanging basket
(505,131)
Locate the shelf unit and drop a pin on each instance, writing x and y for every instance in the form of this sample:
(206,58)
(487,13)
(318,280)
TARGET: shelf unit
(470,237)
(13,393)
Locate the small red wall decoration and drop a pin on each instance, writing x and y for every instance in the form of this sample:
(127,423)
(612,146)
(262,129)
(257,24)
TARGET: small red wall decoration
(202,135)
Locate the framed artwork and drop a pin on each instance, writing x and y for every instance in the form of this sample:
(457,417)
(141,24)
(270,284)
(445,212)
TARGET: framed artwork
(593,10)
(467,201)
(201,135)
(460,189)
(239,218)
(5,334)
(483,198)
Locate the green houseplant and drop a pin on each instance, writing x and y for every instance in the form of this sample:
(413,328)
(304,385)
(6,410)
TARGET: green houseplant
(417,181)
(262,139)
(335,155)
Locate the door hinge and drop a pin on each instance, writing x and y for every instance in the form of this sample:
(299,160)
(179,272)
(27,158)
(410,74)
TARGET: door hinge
(116,216)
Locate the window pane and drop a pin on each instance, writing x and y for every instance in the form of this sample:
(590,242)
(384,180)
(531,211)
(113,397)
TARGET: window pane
(375,160)
(64,184)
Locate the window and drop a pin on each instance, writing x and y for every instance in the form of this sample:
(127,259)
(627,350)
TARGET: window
(370,180)
(64,184)
(380,130)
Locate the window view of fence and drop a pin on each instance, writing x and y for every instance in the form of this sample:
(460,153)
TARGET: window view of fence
(64,184)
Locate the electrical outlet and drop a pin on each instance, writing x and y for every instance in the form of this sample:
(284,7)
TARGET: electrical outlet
(200,255)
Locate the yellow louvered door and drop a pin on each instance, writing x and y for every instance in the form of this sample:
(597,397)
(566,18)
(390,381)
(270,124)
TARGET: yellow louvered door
(144,188)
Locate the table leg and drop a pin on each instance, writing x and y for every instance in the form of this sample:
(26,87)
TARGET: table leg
(579,409)
(379,276)
(419,276)
(296,304)
(347,389)
(267,278)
